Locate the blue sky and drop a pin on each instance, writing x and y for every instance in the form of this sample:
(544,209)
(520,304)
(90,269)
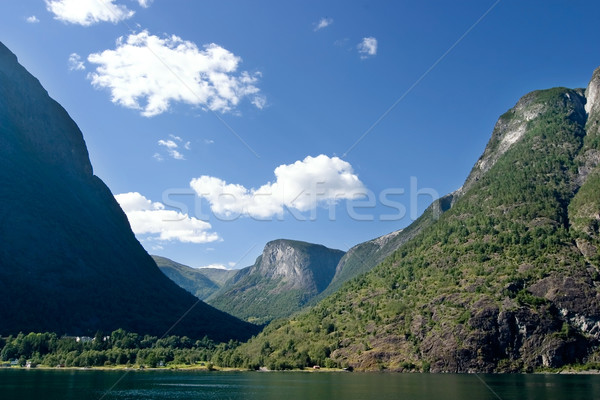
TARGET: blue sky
(221,125)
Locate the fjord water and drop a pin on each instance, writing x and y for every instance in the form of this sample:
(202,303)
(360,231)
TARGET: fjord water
(84,385)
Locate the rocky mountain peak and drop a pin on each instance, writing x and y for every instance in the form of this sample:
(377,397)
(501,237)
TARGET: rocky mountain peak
(300,264)
(512,126)
(283,279)
(592,92)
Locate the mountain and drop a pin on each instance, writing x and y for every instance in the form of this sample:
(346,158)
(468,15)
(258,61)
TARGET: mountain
(365,256)
(69,262)
(201,282)
(506,279)
(218,275)
(284,278)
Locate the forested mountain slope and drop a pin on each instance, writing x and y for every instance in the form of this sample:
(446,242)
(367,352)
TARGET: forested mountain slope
(505,280)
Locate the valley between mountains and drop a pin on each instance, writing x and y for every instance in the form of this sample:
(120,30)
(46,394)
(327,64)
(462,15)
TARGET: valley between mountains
(499,276)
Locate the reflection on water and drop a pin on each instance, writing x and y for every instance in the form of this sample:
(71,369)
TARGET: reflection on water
(83,385)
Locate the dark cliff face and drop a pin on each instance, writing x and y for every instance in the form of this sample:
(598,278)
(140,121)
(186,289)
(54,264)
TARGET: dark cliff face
(69,262)
(34,127)
(283,279)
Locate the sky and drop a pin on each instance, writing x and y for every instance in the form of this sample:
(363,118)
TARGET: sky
(221,125)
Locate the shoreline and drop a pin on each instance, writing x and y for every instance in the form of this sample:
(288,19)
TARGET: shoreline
(195,368)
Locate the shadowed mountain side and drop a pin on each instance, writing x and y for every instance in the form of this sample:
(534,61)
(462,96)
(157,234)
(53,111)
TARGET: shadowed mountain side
(69,262)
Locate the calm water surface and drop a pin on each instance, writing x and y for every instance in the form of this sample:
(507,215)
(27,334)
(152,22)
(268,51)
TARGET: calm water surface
(84,385)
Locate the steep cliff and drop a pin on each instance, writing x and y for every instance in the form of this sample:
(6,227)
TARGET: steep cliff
(287,275)
(69,262)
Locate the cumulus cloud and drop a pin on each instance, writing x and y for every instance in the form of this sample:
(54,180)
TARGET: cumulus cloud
(302,185)
(145,3)
(75,63)
(152,219)
(149,73)
(323,23)
(367,48)
(88,12)
(32,20)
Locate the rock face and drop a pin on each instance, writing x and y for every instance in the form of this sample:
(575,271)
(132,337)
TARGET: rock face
(506,279)
(69,262)
(592,94)
(287,275)
(301,265)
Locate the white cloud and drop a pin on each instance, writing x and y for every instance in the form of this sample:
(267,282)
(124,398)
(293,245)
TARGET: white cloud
(145,3)
(176,154)
(168,144)
(149,73)
(151,218)
(302,185)
(216,266)
(75,63)
(208,141)
(259,102)
(88,12)
(323,23)
(171,147)
(367,48)
(32,20)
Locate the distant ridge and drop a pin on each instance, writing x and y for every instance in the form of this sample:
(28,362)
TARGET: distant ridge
(201,282)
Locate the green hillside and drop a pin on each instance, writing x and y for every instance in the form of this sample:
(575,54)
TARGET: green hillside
(365,256)
(505,280)
(191,279)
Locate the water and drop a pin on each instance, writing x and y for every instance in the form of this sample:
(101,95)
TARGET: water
(84,385)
